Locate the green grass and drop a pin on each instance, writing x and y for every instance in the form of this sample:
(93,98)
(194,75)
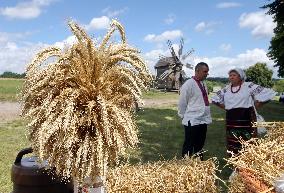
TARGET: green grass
(13,139)
(10,88)
(161,137)
(160,94)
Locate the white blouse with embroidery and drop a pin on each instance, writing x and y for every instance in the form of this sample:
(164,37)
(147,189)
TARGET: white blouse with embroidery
(242,97)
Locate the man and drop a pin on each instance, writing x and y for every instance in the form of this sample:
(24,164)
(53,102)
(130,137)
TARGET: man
(194,110)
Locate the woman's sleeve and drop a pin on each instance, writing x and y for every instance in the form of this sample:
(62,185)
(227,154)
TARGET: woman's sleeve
(219,97)
(260,93)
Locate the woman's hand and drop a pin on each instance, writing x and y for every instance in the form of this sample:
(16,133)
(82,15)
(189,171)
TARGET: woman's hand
(259,104)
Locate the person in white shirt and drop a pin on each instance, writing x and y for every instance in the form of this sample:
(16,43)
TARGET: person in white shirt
(239,99)
(194,110)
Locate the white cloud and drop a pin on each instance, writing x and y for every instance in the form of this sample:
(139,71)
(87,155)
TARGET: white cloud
(207,27)
(11,37)
(220,65)
(170,19)
(3,37)
(225,47)
(200,26)
(225,5)
(69,41)
(11,46)
(113,13)
(25,10)
(152,57)
(98,23)
(15,58)
(262,25)
(167,35)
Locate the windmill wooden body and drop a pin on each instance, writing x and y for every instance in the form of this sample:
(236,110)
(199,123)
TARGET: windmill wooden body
(169,70)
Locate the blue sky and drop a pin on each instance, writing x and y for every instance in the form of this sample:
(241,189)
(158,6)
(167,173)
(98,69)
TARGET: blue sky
(225,34)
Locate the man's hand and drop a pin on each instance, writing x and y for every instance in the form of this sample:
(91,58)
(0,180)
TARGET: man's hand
(222,106)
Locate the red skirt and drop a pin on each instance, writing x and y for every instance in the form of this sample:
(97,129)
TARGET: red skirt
(239,123)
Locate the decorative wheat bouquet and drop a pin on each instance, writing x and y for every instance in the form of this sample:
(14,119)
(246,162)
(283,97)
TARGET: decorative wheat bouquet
(78,102)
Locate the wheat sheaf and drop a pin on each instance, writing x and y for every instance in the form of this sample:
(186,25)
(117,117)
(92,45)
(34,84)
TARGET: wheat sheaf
(79,106)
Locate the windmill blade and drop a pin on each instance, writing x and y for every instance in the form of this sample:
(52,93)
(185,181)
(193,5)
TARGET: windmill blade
(170,45)
(187,54)
(165,74)
(180,47)
(183,73)
(172,51)
(190,66)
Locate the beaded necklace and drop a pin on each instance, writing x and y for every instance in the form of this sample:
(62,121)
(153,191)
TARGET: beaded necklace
(236,90)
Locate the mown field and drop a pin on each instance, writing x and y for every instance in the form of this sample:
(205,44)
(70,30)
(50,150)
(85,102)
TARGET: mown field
(10,88)
(160,131)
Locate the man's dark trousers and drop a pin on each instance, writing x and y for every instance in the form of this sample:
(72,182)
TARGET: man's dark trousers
(194,139)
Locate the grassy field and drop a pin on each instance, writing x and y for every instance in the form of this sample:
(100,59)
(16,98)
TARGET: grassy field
(160,131)
(13,139)
(162,134)
(157,94)
(10,88)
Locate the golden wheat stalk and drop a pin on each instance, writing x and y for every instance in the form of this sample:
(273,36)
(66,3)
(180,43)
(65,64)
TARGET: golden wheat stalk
(263,157)
(79,107)
(275,130)
(186,175)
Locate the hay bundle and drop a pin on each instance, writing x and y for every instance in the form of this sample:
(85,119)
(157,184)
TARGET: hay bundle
(79,105)
(187,175)
(236,184)
(263,157)
(275,130)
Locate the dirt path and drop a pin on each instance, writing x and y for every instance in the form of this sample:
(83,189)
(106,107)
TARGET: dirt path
(159,102)
(9,111)
(12,110)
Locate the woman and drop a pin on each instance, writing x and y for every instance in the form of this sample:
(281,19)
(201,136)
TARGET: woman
(238,99)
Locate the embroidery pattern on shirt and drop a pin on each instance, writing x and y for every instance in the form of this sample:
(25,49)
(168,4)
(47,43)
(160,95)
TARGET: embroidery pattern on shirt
(251,85)
(203,91)
(257,90)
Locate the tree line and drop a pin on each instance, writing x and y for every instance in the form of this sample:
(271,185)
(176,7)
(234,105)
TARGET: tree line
(259,74)
(9,74)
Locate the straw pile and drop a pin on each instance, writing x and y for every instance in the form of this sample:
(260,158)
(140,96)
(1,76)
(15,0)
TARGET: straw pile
(275,130)
(79,102)
(236,184)
(187,175)
(263,157)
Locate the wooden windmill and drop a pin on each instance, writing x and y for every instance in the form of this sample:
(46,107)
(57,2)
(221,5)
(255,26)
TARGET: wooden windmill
(169,70)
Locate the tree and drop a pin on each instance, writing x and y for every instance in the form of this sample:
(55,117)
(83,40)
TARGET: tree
(9,74)
(260,74)
(276,48)
(279,86)
(211,84)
